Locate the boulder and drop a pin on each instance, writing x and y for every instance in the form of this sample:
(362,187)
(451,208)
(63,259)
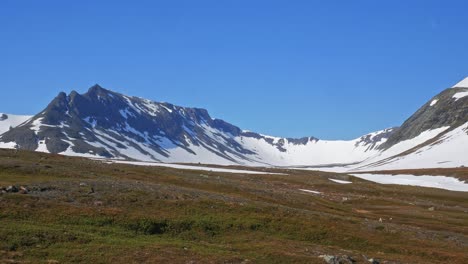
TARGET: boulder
(344,259)
(12,189)
(23,190)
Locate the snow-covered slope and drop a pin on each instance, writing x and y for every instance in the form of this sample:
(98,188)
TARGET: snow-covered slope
(441,182)
(8,121)
(443,150)
(315,152)
(436,136)
(461,84)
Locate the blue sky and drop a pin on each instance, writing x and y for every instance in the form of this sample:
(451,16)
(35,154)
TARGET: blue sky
(330,69)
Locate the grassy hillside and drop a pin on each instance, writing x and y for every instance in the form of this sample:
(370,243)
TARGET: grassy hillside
(79,210)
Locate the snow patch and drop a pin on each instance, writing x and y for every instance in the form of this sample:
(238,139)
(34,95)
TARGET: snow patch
(434,102)
(340,181)
(69,152)
(167,108)
(189,167)
(126,113)
(440,182)
(460,95)
(11,121)
(8,145)
(42,147)
(309,191)
(91,121)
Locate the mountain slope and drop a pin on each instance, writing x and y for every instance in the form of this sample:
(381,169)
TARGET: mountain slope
(8,121)
(105,124)
(443,110)
(435,136)
(446,149)
(102,123)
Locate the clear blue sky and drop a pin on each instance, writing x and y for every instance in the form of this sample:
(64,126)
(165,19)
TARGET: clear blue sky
(330,69)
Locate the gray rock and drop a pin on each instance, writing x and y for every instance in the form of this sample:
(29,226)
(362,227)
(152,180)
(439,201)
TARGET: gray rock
(12,189)
(328,258)
(23,190)
(344,259)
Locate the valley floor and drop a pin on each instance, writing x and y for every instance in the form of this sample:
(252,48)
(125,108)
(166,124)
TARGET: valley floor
(85,211)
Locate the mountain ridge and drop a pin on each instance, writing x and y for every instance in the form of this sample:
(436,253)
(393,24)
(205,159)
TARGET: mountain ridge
(106,124)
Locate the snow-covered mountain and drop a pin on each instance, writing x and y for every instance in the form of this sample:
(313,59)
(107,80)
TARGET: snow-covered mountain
(435,136)
(8,121)
(103,123)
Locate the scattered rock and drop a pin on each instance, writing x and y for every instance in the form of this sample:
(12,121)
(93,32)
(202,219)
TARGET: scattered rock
(98,203)
(23,190)
(12,189)
(44,189)
(373,261)
(83,184)
(431,208)
(330,259)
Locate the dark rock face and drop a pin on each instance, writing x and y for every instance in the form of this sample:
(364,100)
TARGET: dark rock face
(23,136)
(446,111)
(301,141)
(3,117)
(372,140)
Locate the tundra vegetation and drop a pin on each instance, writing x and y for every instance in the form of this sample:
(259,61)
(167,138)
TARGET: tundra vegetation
(67,210)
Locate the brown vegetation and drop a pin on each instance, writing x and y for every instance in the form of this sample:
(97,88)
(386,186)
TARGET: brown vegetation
(80,210)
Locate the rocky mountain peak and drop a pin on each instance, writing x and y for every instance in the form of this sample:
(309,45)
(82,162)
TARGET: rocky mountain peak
(96,89)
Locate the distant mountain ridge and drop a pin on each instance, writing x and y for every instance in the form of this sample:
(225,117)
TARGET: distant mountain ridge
(104,124)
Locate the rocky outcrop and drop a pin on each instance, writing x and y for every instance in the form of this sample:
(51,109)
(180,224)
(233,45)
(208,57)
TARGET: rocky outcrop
(443,110)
